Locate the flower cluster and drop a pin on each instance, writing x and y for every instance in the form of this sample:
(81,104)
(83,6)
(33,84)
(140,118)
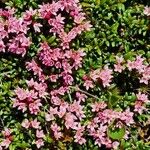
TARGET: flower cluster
(8,138)
(13,33)
(103,76)
(139,66)
(71,114)
(62,62)
(142,99)
(147,11)
(106,75)
(30,99)
(99,125)
(39,133)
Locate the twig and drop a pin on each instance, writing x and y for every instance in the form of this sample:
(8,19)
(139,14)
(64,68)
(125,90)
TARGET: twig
(82,91)
(2,121)
(70,98)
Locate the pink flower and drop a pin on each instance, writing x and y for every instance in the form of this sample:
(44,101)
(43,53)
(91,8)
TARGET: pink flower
(55,100)
(33,66)
(68,79)
(30,83)
(81,97)
(2,46)
(58,65)
(77,57)
(70,121)
(39,134)
(35,124)
(28,14)
(37,26)
(39,143)
(62,109)
(46,57)
(119,59)
(7,13)
(106,76)
(118,68)
(41,88)
(53,78)
(87,26)
(53,111)
(67,68)
(94,74)
(145,75)
(62,90)
(127,117)
(35,107)
(57,24)
(21,93)
(79,135)
(98,106)
(25,124)
(6,132)
(21,106)
(138,63)
(147,11)
(77,108)
(47,10)
(142,97)
(115,144)
(138,107)
(130,65)
(24,41)
(5,143)
(79,18)
(56,129)
(49,117)
(58,135)
(79,139)
(88,84)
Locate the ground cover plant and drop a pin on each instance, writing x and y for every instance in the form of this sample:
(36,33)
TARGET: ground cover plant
(74,75)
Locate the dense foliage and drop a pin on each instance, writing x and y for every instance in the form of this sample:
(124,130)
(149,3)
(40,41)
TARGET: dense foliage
(74,74)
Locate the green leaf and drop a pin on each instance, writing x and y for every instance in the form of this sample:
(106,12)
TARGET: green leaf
(107,43)
(121,6)
(43,38)
(86,4)
(48,139)
(22,145)
(51,39)
(116,134)
(81,72)
(113,96)
(12,147)
(97,2)
(114,27)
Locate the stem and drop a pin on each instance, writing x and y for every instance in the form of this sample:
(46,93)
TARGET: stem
(46,122)
(82,91)
(69,96)
(2,122)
